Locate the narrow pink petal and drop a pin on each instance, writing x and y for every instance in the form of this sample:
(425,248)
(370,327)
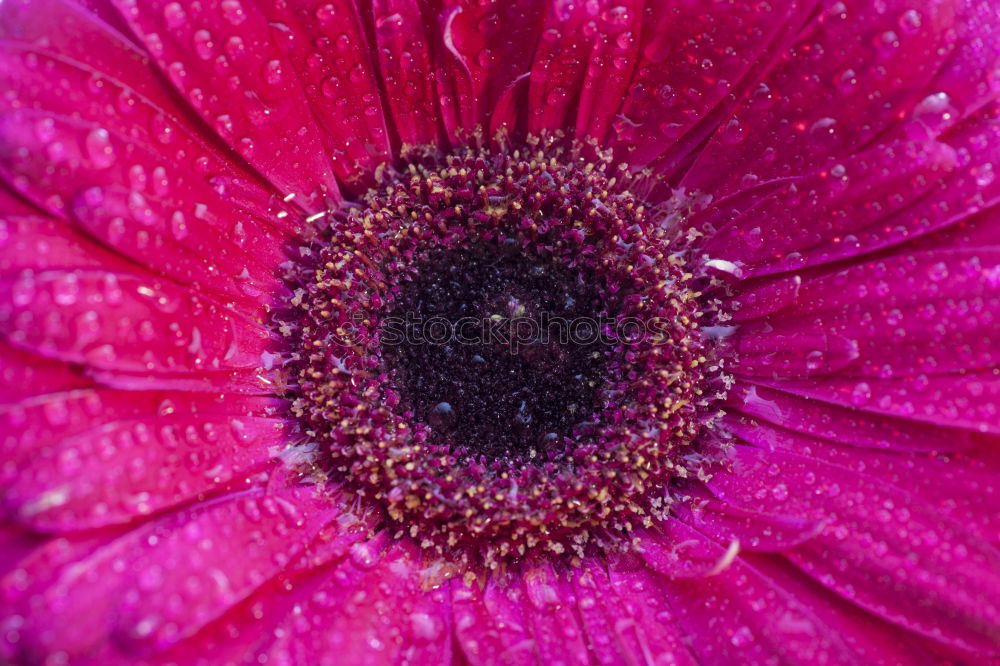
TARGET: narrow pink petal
(490,627)
(559,66)
(735,615)
(855,199)
(23,375)
(626,618)
(613,30)
(549,612)
(694,62)
(327,48)
(883,549)
(960,484)
(225,59)
(673,551)
(121,193)
(407,70)
(754,530)
(371,610)
(124,93)
(121,321)
(123,467)
(204,564)
(483,50)
(820,107)
(39,242)
(875,642)
(934,312)
(844,425)
(969,401)
(797,353)
(163,582)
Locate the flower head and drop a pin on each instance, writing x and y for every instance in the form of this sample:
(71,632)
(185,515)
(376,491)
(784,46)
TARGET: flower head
(429,332)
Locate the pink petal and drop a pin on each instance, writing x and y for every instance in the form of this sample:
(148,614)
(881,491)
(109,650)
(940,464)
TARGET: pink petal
(122,90)
(961,485)
(163,582)
(626,618)
(122,468)
(327,48)
(549,612)
(932,312)
(876,643)
(794,354)
(843,425)
(821,107)
(883,549)
(483,50)
(755,530)
(694,62)
(370,610)
(119,321)
(855,199)
(559,67)
(970,401)
(225,59)
(23,375)
(489,624)
(407,72)
(121,193)
(41,243)
(614,30)
(735,615)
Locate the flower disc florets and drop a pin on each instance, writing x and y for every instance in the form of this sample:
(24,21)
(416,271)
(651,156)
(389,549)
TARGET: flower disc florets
(504,351)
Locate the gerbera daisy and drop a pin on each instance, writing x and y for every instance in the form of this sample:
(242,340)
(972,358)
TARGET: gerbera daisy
(444,332)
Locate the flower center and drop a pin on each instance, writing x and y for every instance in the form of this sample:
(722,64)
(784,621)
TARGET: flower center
(499,353)
(502,352)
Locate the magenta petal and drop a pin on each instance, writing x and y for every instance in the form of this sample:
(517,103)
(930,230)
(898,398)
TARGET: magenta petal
(854,200)
(224,58)
(962,485)
(737,616)
(23,375)
(142,325)
(38,425)
(549,612)
(754,530)
(883,549)
(407,71)
(164,581)
(123,469)
(794,354)
(970,401)
(821,107)
(42,243)
(372,610)
(626,617)
(560,64)
(483,50)
(932,312)
(79,171)
(675,551)
(328,50)
(842,425)
(613,29)
(489,624)
(695,60)
(876,643)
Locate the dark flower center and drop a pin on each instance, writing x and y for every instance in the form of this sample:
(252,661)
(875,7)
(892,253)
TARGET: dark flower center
(502,352)
(499,353)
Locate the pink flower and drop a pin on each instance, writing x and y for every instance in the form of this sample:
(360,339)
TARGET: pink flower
(215,451)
